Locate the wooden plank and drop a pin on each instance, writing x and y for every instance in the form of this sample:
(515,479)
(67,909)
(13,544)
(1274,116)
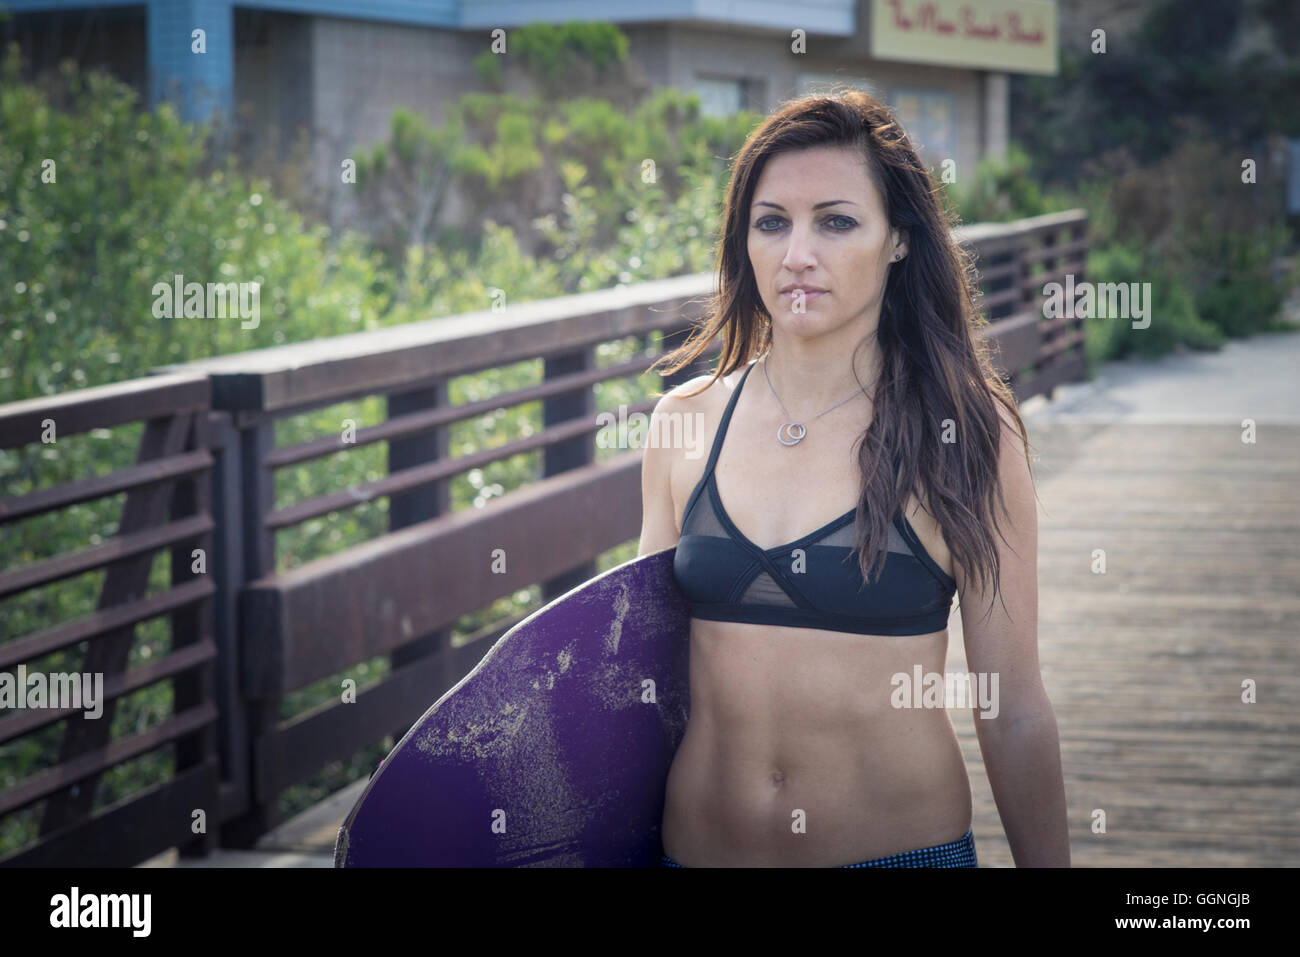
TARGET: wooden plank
(421,504)
(1015,341)
(416,423)
(574,453)
(1001,272)
(383,360)
(93,763)
(192,627)
(297,749)
(1072,251)
(227,573)
(257,494)
(317,619)
(256,716)
(131,830)
(115,549)
(132,478)
(990,302)
(19,724)
(437,471)
(61,636)
(1033,225)
(103,406)
(1144,664)
(1071,368)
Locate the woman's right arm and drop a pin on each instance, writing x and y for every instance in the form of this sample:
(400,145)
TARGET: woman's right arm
(658,515)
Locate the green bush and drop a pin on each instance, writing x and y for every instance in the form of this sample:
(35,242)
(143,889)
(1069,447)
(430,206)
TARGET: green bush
(1173,317)
(1241,297)
(565,177)
(101,201)
(1210,264)
(558,55)
(1004,189)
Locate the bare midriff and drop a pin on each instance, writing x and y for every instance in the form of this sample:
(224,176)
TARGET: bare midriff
(794,755)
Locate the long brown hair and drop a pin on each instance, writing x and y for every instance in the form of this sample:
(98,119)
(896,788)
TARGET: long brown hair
(935,370)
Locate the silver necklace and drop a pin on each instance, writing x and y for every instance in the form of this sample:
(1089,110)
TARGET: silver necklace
(795,430)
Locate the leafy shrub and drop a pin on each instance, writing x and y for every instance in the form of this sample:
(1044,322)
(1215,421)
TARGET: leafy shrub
(1004,189)
(1210,263)
(132,198)
(1242,296)
(1173,317)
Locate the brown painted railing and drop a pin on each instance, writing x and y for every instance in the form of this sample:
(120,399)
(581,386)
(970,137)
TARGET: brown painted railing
(166,506)
(263,633)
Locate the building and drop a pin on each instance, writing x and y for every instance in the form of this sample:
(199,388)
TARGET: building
(338,67)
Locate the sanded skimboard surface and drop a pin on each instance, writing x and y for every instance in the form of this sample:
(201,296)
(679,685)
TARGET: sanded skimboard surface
(554,750)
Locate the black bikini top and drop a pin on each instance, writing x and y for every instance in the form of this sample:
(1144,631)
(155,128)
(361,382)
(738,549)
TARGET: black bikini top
(812,582)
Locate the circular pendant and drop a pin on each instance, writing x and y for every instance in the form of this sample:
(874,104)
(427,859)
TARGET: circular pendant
(794,430)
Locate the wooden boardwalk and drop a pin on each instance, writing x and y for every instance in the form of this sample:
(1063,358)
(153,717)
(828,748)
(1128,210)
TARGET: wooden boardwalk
(1144,664)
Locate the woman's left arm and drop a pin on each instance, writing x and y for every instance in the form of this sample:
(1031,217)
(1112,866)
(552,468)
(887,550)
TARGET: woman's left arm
(1021,748)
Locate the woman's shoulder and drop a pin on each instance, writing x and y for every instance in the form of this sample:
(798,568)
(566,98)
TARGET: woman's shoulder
(701,393)
(1010,435)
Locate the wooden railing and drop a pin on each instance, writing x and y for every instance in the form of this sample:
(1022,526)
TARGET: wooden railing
(263,632)
(1016,260)
(167,494)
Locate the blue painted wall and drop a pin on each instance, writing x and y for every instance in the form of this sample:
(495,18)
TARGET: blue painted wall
(202,84)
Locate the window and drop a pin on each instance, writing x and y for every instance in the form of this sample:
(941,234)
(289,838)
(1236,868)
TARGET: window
(930,119)
(720,97)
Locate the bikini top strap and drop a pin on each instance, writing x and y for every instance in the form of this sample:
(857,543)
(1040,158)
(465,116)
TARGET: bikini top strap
(726,421)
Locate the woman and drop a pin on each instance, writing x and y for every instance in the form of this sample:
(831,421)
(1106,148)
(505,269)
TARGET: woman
(848,310)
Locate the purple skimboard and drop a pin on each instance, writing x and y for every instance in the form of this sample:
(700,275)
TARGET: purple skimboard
(554,750)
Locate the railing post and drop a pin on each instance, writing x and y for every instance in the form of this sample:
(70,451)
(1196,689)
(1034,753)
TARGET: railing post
(1026,302)
(1057,332)
(418,505)
(987,262)
(226,565)
(573,453)
(263,713)
(191,625)
(1079,262)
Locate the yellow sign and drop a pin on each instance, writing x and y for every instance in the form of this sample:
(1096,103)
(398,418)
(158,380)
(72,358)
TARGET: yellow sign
(1015,36)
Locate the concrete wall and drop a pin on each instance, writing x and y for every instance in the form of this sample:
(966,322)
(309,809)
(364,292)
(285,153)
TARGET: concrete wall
(341,80)
(360,72)
(273,88)
(676,55)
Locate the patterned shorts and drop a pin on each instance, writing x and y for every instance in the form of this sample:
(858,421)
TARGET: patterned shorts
(958,853)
